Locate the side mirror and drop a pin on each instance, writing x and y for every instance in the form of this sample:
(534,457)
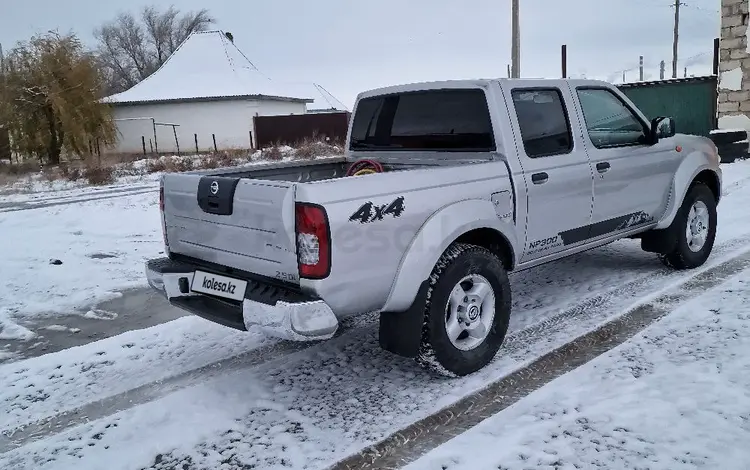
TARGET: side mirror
(662,128)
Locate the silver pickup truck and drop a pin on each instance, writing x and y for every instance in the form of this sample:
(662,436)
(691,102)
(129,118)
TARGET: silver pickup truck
(444,189)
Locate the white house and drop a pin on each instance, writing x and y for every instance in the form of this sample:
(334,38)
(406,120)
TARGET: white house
(207,90)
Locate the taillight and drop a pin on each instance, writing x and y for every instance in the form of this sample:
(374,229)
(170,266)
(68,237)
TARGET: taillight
(313,241)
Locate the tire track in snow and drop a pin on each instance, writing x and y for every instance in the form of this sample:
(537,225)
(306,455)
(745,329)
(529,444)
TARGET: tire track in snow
(42,205)
(405,446)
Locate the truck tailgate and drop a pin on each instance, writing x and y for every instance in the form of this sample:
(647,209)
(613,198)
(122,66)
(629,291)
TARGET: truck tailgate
(240,223)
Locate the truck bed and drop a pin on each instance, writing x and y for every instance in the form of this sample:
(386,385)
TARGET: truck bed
(245,218)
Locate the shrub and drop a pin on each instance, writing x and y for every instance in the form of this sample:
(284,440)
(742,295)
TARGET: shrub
(178,165)
(156,166)
(70,173)
(99,175)
(273,154)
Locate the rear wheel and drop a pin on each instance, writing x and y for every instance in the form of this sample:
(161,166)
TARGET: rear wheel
(467,311)
(695,229)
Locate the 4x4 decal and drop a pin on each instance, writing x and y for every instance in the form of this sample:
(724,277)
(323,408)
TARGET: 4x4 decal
(370,212)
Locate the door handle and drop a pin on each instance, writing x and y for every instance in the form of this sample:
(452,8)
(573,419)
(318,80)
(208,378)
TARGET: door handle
(602,167)
(539,178)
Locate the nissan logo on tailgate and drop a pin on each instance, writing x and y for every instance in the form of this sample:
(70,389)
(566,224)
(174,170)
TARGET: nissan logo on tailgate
(214,187)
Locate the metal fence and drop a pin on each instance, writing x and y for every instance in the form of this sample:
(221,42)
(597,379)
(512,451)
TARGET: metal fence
(690,101)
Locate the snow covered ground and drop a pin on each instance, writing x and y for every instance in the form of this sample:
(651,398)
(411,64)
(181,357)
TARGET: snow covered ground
(190,394)
(676,396)
(102,245)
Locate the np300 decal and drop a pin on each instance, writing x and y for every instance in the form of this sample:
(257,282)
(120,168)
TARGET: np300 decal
(370,212)
(579,234)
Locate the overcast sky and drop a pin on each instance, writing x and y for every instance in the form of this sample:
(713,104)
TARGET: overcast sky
(350,45)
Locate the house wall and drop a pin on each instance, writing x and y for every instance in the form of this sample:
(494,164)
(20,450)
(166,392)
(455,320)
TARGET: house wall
(734,66)
(230,121)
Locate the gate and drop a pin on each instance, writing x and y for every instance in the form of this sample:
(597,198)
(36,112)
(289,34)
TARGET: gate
(294,128)
(690,101)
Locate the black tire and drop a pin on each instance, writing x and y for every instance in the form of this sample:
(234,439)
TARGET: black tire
(682,257)
(729,137)
(436,351)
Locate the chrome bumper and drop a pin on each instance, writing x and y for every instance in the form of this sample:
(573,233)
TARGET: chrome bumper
(278,315)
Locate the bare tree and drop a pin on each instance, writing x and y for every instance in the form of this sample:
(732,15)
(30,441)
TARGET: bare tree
(130,49)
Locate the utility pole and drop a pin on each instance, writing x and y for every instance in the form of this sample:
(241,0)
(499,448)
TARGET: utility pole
(662,66)
(676,36)
(509,73)
(515,51)
(640,68)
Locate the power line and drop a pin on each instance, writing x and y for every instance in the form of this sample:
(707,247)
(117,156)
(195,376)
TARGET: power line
(693,7)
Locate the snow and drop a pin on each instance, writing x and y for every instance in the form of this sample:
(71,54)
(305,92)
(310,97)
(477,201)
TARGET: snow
(103,369)
(207,394)
(731,79)
(208,65)
(675,396)
(726,130)
(128,227)
(736,121)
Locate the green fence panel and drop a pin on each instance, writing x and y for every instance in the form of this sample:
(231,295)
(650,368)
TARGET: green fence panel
(690,101)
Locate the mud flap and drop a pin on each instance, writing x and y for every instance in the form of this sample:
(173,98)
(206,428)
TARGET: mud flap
(401,332)
(660,241)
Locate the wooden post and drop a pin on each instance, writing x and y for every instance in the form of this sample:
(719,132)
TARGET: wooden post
(675,36)
(662,66)
(564,57)
(640,68)
(213,136)
(156,144)
(515,28)
(196,142)
(717,52)
(143,142)
(252,147)
(508,70)
(176,142)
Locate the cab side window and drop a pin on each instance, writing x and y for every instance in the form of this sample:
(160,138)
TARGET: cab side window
(543,120)
(609,122)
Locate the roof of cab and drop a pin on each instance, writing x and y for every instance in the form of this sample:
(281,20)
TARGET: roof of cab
(475,83)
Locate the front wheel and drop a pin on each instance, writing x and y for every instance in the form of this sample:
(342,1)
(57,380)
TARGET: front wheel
(695,227)
(467,311)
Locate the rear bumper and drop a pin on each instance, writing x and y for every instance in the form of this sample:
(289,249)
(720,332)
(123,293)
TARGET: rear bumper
(277,311)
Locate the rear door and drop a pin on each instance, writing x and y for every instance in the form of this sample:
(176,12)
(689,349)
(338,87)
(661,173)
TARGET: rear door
(239,223)
(557,172)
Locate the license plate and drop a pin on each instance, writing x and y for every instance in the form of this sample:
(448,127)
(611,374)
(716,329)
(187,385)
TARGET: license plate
(221,286)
